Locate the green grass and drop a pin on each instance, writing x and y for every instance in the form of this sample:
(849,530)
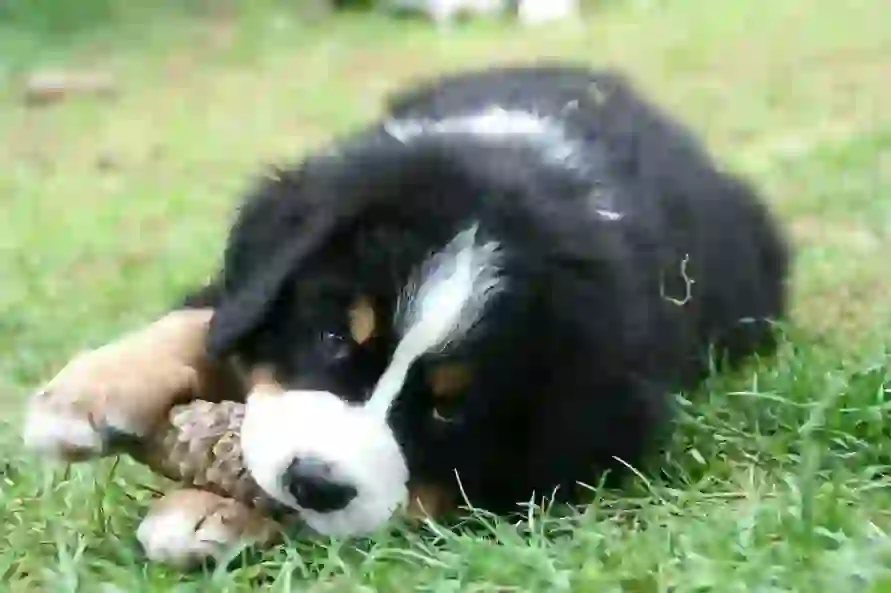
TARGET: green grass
(778,474)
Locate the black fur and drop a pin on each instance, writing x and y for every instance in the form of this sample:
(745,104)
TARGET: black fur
(573,363)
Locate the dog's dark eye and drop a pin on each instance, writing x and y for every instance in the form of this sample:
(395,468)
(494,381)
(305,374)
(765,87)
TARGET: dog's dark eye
(445,411)
(334,346)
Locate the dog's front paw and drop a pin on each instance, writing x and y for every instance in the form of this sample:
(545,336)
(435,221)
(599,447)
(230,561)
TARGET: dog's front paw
(119,391)
(188,527)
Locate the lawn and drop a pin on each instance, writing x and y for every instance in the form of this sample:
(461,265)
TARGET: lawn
(777,479)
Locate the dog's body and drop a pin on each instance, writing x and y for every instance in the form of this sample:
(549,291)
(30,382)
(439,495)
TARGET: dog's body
(490,294)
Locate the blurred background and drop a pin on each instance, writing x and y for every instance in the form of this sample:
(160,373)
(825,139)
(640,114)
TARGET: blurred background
(128,130)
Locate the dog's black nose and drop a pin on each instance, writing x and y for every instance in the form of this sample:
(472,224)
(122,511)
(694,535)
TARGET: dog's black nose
(311,483)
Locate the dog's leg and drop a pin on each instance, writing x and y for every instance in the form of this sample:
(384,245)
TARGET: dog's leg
(187,527)
(125,388)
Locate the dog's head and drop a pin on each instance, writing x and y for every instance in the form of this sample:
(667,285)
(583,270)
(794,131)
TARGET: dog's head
(352,291)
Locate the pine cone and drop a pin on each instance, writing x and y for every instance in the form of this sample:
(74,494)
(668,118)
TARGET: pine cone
(200,447)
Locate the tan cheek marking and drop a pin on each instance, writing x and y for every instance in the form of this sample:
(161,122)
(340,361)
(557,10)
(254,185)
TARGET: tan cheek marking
(447,380)
(362,320)
(428,501)
(263,377)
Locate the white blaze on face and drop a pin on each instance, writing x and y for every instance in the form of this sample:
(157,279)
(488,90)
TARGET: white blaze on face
(453,289)
(437,308)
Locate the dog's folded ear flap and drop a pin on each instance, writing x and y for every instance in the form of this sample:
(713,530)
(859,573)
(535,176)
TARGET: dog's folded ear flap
(242,311)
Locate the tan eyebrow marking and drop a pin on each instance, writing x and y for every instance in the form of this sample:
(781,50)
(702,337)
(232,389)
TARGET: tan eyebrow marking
(362,320)
(446,380)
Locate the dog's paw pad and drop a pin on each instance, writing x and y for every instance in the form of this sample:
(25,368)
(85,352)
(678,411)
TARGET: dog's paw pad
(174,538)
(188,527)
(59,433)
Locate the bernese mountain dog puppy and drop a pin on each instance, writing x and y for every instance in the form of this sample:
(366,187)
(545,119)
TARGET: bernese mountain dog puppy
(485,297)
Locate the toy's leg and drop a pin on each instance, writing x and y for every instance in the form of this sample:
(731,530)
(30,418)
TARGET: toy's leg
(188,527)
(125,388)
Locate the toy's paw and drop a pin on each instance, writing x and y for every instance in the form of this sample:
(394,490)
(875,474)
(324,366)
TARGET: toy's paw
(188,527)
(122,389)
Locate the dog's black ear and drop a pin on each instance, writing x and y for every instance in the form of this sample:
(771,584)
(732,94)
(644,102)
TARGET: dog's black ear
(286,221)
(243,309)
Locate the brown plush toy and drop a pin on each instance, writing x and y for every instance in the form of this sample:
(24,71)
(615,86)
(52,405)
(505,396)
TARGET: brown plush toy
(199,449)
